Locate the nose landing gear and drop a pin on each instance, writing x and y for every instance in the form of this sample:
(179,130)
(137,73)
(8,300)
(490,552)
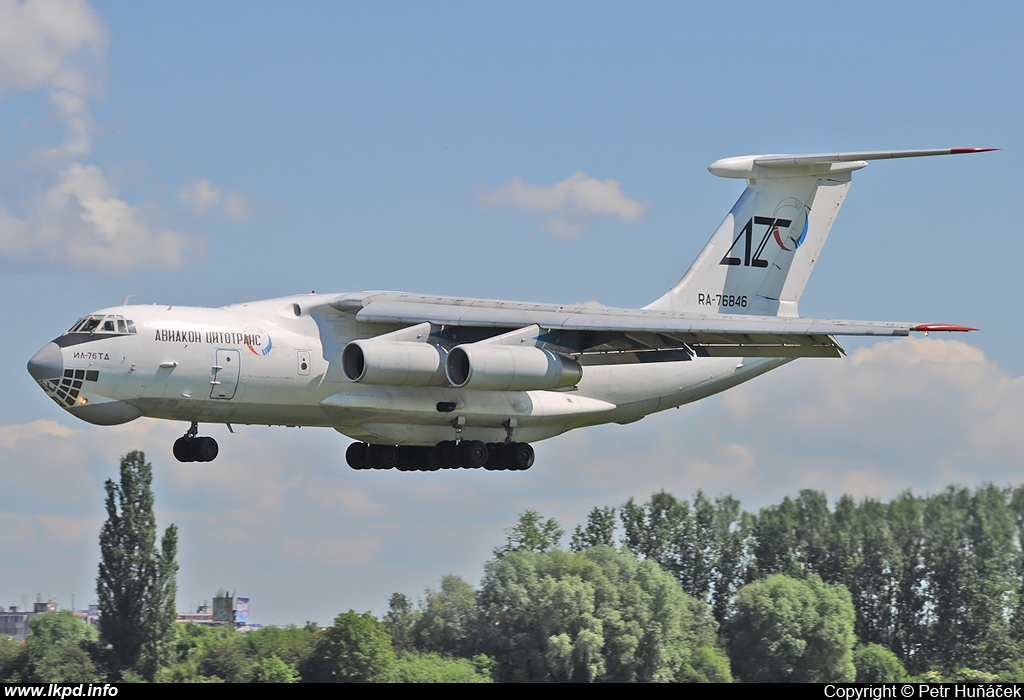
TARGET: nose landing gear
(192,448)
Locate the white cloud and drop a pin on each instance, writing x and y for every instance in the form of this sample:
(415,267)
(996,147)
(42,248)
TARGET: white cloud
(199,196)
(73,111)
(78,221)
(203,199)
(913,413)
(238,206)
(67,213)
(573,202)
(56,43)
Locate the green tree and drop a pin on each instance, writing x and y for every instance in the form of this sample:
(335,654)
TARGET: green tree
(599,615)
(225,658)
(434,668)
(59,648)
(11,658)
(600,530)
(655,530)
(970,552)
(274,670)
(290,644)
(908,574)
(876,664)
(136,582)
(793,630)
(870,573)
(400,622)
(531,534)
(355,649)
(446,620)
(795,537)
(730,558)
(1017,615)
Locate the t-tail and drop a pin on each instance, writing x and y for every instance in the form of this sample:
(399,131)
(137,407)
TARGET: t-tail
(759,259)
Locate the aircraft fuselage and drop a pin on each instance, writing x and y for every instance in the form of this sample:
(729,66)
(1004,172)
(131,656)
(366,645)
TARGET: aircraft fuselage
(278,362)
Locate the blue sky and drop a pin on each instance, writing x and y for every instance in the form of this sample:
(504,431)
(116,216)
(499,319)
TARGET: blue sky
(232,151)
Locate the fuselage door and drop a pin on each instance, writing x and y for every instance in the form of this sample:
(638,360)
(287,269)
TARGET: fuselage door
(225,374)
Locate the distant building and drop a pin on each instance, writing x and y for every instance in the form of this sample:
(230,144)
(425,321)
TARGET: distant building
(221,613)
(202,616)
(15,621)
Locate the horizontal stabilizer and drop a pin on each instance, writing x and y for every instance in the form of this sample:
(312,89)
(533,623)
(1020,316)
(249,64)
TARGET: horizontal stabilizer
(783,165)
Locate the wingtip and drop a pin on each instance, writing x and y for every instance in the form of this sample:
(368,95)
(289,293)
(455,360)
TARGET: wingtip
(971,150)
(942,327)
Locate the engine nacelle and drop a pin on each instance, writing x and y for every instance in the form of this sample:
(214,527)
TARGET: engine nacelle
(394,363)
(510,368)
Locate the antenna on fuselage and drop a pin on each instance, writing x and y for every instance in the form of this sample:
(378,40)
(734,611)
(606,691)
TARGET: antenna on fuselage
(126,298)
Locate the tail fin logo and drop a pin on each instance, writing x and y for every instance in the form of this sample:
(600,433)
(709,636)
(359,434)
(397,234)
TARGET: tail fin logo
(796,244)
(787,213)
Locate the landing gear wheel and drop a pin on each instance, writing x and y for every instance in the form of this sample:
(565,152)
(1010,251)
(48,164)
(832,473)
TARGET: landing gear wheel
(183,449)
(450,454)
(474,454)
(355,455)
(205,449)
(435,458)
(192,448)
(382,456)
(412,459)
(519,456)
(495,457)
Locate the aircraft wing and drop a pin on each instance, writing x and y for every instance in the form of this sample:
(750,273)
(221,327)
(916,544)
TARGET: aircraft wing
(605,335)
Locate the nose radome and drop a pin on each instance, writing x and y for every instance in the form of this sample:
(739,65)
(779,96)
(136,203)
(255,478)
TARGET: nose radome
(48,363)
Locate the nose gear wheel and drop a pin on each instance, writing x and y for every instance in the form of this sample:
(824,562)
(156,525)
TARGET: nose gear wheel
(190,447)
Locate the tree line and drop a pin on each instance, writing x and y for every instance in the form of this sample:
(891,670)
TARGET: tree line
(671,590)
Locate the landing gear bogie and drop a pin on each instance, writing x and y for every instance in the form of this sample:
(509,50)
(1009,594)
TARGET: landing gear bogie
(448,454)
(193,448)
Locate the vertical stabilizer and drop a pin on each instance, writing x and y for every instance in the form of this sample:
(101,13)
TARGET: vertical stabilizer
(759,259)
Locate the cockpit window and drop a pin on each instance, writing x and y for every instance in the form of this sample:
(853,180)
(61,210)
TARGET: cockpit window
(90,324)
(107,325)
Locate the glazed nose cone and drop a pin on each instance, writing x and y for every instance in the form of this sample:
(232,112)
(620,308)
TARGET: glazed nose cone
(48,363)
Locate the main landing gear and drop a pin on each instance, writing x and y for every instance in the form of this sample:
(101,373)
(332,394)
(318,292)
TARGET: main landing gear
(449,454)
(192,448)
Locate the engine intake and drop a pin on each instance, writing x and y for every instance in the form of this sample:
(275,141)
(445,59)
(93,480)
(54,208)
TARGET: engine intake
(394,363)
(510,368)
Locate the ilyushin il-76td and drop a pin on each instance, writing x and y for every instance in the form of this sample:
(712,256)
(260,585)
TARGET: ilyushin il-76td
(427,382)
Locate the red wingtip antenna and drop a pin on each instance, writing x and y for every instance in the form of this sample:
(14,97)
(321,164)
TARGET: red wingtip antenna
(942,327)
(971,150)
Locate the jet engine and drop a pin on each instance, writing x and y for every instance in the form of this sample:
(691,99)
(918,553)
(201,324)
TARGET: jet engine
(395,363)
(510,368)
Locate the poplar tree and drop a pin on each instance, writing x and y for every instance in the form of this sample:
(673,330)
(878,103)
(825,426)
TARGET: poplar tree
(136,583)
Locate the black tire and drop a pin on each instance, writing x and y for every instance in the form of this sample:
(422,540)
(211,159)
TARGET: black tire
(435,459)
(450,455)
(355,455)
(519,456)
(205,449)
(412,459)
(182,450)
(474,454)
(382,456)
(495,457)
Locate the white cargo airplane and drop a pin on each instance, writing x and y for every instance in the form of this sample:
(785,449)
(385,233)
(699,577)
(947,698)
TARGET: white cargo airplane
(426,382)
